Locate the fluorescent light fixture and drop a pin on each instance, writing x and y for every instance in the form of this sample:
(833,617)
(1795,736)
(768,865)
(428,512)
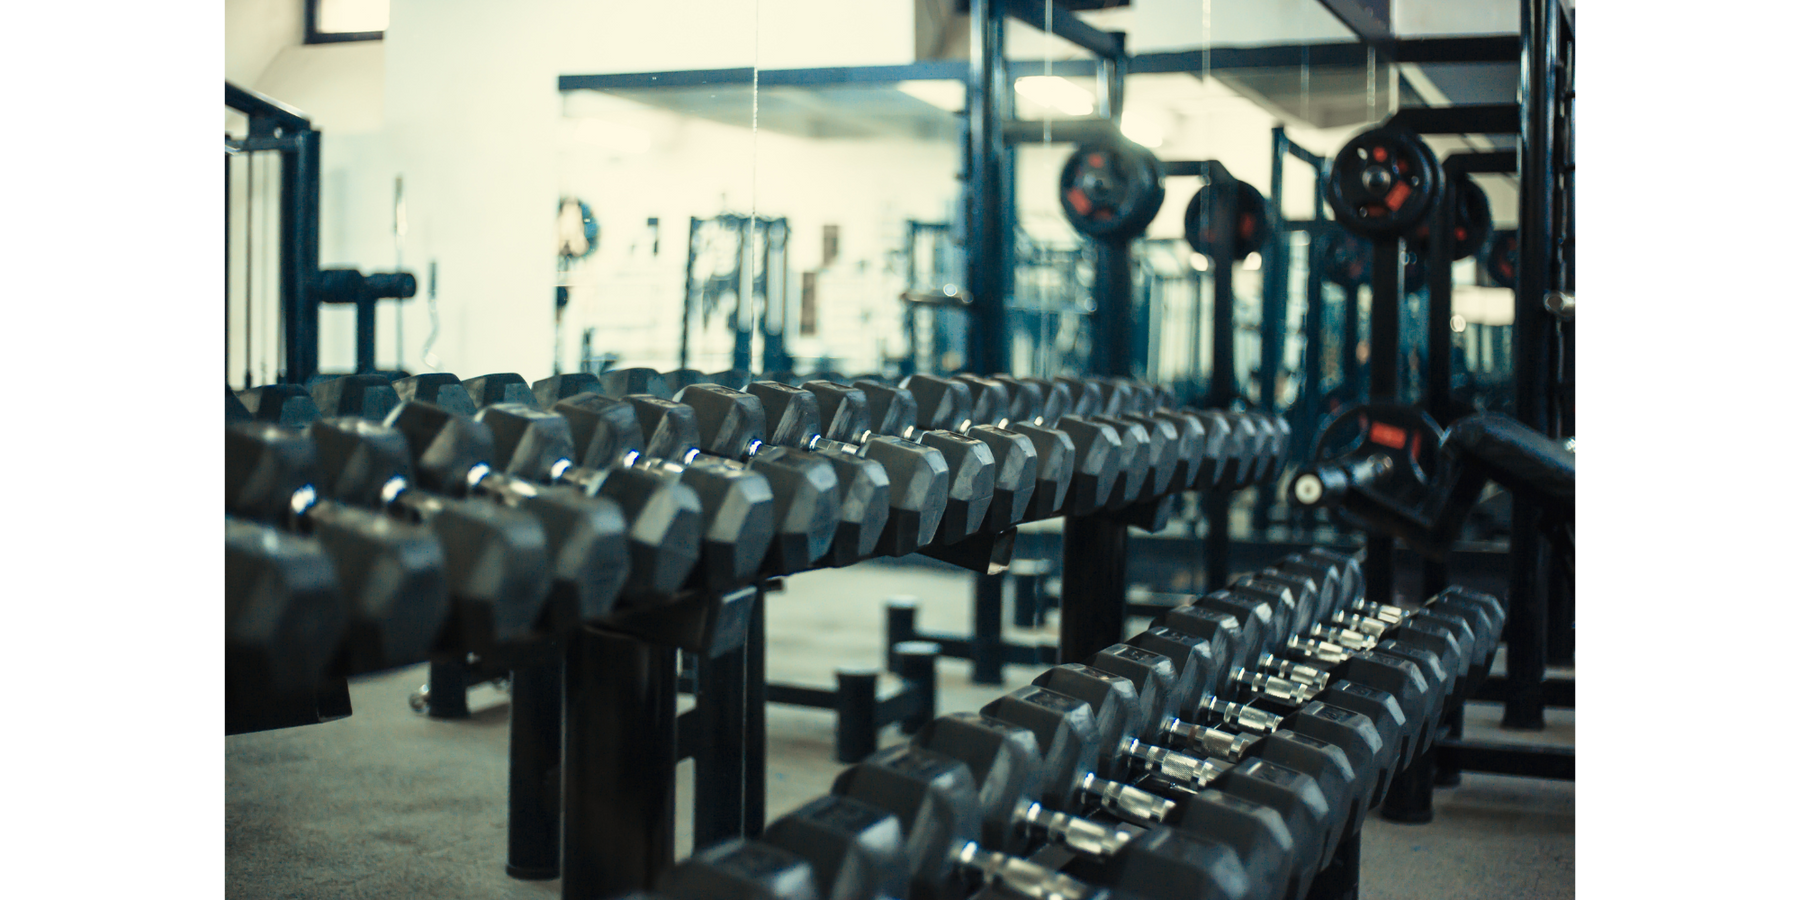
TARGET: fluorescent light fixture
(339,16)
(1056,93)
(945,95)
(611,136)
(1145,128)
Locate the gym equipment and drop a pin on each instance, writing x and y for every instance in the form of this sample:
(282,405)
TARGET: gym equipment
(284,614)
(1205,223)
(855,849)
(894,411)
(1502,258)
(497,561)
(389,575)
(1110,190)
(1017,408)
(937,800)
(1098,447)
(729,425)
(863,484)
(918,476)
(742,870)
(1383,182)
(735,506)
(282,404)
(863,709)
(585,536)
(948,404)
(1473,221)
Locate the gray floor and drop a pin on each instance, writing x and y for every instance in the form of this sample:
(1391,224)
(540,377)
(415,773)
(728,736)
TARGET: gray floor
(390,804)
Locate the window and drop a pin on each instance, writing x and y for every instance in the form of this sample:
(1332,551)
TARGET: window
(335,21)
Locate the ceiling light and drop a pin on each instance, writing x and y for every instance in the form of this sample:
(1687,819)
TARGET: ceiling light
(1143,127)
(1253,262)
(945,95)
(1059,94)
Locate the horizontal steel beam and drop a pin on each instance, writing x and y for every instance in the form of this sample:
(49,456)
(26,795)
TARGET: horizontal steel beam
(1522,760)
(1495,118)
(1068,26)
(257,106)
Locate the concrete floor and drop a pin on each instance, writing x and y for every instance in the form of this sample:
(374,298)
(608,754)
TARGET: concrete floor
(388,803)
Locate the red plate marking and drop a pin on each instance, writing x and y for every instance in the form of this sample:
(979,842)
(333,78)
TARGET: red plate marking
(1386,435)
(1398,195)
(1080,201)
(1379,153)
(1096,161)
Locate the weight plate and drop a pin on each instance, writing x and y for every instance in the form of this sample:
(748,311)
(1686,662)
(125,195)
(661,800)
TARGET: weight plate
(1503,258)
(1111,190)
(1405,433)
(1383,182)
(1343,258)
(1207,210)
(1474,222)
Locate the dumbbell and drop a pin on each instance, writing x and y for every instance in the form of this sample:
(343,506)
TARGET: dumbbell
(738,869)
(894,411)
(1069,744)
(1125,402)
(992,405)
(389,574)
(948,404)
(866,491)
(587,536)
(1346,776)
(728,425)
(1136,459)
(497,564)
(284,614)
(1095,465)
(1146,405)
(280,404)
(736,505)
(1010,772)
(939,805)
(918,476)
(1135,726)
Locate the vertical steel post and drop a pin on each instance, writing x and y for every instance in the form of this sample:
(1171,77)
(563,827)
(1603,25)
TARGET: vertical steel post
(300,258)
(1384,384)
(1093,596)
(1222,390)
(720,747)
(1274,315)
(983,250)
(535,756)
(618,764)
(687,289)
(986,651)
(857,725)
(1111,324)
(756,706)
(1526,624)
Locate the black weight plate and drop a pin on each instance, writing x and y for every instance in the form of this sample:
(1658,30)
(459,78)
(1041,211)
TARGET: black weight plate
(1207,211)
(1503,258)
(1474,222)
(1343,258)
(1383,182)
(1396,427)
(1111,190)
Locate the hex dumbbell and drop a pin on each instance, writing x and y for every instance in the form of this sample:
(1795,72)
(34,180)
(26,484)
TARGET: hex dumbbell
(948,404)
(284,614)
(894,411)
(1095,467)
(918,476)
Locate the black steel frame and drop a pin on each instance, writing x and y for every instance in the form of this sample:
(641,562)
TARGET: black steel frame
(277,127)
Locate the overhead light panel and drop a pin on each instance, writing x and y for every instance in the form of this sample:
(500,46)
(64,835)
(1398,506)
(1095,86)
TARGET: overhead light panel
(945,95)
(1057,93)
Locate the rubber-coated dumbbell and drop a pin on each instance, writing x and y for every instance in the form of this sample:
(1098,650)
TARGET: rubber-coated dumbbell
(1069,744)
(1306,806)
(497,564)
(948,404)
(1121,401)
(736,505)
(940,805)
(1095,466)
(1138,457)
(390,574)
(727,425)
(284,614)
(739,869)
(585,536)
(918,476)
(993,405)
(1009,775)
(894,411)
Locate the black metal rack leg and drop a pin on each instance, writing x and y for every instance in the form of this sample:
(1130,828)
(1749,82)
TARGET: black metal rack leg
(1093,601)
(534,785)
(619,764)
(720,741)
(447,694)
(986,637)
